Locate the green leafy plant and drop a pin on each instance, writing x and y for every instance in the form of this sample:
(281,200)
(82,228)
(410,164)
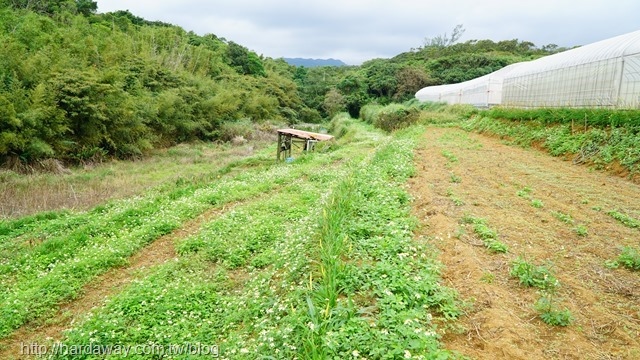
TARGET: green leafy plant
(565,218)
(524,192)
(537,203)
(533,276)
(551,314)
(629,258)
(625,219)
(488,236)
(456,200)
(450,156)
(487,277)
(455,178)
(581,230)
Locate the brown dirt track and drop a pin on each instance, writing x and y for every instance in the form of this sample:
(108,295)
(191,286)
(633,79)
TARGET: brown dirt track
(501,322)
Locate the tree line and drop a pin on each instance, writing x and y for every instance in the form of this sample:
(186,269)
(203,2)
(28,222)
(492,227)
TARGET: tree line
(80,86)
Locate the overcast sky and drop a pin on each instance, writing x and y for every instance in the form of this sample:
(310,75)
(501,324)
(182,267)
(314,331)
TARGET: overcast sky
(357,30)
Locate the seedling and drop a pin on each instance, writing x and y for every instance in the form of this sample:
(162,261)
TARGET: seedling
(630,258)
(565,218)
(581,230)
(455,179)
(487,277)
(525,192)
(550,314)
(488,236)
(450,156)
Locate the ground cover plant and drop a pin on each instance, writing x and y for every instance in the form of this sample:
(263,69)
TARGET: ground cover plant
(319,258)
(56,254)
(306,264)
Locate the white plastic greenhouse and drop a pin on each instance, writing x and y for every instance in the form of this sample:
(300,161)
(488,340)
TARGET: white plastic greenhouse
(602,74)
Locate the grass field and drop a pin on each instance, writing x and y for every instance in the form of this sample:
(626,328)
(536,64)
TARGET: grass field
(428,243)
(312,259)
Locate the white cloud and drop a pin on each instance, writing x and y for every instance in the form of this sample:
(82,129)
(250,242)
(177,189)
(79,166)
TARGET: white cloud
(357,30)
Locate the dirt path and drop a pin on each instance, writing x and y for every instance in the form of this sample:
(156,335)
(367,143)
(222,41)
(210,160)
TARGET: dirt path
(100,289)
(502,323)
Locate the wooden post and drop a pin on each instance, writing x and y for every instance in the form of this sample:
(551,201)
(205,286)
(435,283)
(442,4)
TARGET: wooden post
(279,145)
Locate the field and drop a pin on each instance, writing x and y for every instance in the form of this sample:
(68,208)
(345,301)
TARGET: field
(550,214)
(429,243)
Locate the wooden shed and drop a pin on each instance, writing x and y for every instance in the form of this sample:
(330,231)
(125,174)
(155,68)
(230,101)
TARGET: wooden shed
(304,140)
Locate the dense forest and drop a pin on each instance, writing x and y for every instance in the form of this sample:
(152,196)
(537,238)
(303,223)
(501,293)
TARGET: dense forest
(77,85)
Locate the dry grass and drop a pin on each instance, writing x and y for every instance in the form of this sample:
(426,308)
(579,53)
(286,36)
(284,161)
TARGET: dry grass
(84,187)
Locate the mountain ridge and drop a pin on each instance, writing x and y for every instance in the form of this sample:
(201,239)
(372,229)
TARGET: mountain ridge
(309,62)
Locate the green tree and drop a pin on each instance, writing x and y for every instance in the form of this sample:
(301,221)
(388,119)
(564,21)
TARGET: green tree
(381,79)
(354,88)
(11,142)
(244,61)
(411,79)
(86,7)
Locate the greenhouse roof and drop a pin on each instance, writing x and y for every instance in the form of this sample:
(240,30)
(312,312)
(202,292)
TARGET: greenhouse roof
(612,48)
(496,76)
(615,47)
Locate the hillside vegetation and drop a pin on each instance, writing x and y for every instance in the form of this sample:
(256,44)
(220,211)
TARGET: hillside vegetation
(80,87)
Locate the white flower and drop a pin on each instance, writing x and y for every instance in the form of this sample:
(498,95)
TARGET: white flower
(407,354)
(355,353)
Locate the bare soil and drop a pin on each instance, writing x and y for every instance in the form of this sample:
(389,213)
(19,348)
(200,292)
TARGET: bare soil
(501,322)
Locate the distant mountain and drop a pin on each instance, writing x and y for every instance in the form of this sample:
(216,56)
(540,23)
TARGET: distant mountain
(314,62)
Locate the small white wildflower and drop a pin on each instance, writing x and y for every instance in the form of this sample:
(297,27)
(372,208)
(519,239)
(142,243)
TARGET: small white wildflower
(407,354)
(355,353)
(431,333)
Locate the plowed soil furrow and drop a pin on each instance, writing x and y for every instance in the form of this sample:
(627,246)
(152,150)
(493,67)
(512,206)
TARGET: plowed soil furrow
(95,293)
(502,322)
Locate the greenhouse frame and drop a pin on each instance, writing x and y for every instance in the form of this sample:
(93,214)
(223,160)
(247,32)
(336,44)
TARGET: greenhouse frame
(602,74)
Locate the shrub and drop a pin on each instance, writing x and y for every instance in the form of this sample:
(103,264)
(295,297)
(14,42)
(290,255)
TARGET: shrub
(394,117)
(231,130)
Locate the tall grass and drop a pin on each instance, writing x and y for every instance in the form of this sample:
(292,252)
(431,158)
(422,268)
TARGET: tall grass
(374,291)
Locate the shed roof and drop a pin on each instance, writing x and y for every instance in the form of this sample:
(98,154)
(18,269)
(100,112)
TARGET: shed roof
(306,135)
